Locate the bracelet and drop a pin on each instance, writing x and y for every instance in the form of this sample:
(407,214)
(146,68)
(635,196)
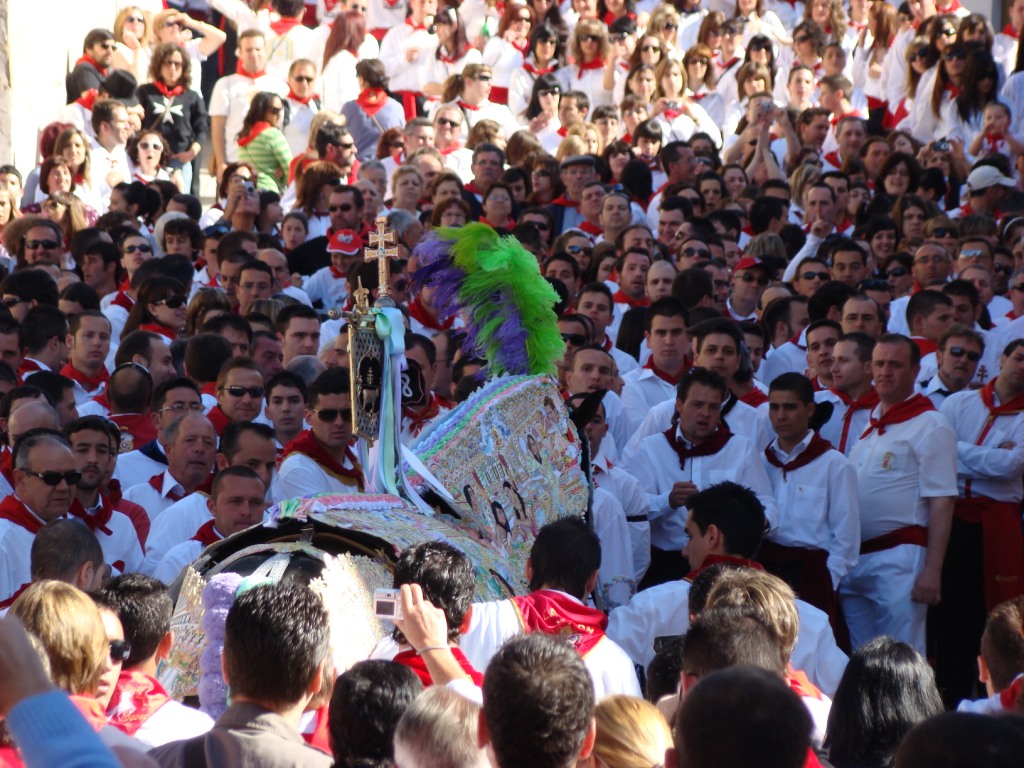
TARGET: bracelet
(433,648)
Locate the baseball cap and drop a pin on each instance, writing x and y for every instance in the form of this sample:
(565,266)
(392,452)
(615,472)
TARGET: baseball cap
(749,262)
(985,176)
(579,160)
(345,241)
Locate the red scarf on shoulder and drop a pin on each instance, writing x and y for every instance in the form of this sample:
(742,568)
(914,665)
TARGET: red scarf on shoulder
(560,615)
(421,315)
(868,401)
(97,522)
(207,534)
(905,411)
(372,100)
(818,446)
(307,444)
(282,27)
(136,698)
(709,447)
(170,93)
(87,59)
(89,384)
(710,560)
(14,510)
(241,70)
(673,380)
(414,661)
(255,131)
(91,710)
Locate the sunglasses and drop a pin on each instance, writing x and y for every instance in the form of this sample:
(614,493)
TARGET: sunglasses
(1017,287)
(701,61)
(140,248)
(589,38)
(576,339)
(897,272)
(616,38)
(670,25)
(650,48)
(1004,269)
(872,285)
(146,145)
(944,232)
(549,92)
(171,302)
(236,391)
(960,352)
(13,301)
(275,110)
(182,407)
(397,145)
(304,79)
(175,64)
(134,19)
(46,245)
(541,226)
(814,276)
(120,650)
(523,18)
(53,479)
(750,277)
(330,415)
(578,249)
(346,145)
(954,55)
(801,39)
(948,32)
(107,46)
(448,122)
(702,253)
(344,208)
(483,78)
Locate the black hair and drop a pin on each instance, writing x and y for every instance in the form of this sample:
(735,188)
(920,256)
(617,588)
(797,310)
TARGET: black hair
(702,376)
(144,607)
(796,383)
(728,636)
(204,356)
(565,554)
(737,513)
(444,574)
(31,285)
(333,381)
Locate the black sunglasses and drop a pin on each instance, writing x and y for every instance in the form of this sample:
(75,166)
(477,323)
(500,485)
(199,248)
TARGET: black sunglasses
(813,276)
(47,245)
(945,232)
(449,123)
(238,391)
(702,253)
(140,248)
(172,302)
(953,55)
(750,277)
(344,208)
(330,415)
(960,352)
(53,479)
(577,249)
(13,301)
(576,339)
(304,79)
(120,650)
(897,272)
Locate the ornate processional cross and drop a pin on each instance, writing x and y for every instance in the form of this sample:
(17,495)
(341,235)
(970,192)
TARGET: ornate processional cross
(382,238)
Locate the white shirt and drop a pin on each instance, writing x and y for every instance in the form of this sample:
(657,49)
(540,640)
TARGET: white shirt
(134,465)
(631,496)
(230,99)
(299,475)
(324,287)
(493,623)
(899,471)
(171,722)
(155,502)
(300,117)
(664,611)
(786,358)
(642,390)
(615,583)
(656,468)
(121,547)
(15,557)
(177,558)
(934,389)
(817,506)
(993,471)
(338,81)
(832,430)
(405,75)
(181,522)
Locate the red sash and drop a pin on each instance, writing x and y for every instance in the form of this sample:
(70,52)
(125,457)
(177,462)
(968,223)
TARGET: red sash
(320,736)
(910,534)
(1002,545)
(207,534)
(560,615)
(415,662)
(89,384)
(421,315)
(11,508)
(156,482)
(250,137)
(709,447)
(710,560)
(818,446)
(307,444)
(98,521)
(136,697)
(905,411)
(808,570)
(372,100)
(868,401)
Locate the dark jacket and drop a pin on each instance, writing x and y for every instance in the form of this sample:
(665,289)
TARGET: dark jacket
(181,120)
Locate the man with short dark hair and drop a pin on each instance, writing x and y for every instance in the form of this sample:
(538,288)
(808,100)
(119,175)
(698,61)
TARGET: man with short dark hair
(321,460)
(46,332)
(656,381)
(239,393)
(954,364)
(88,345)
(298,328)
(906,465)
(538,706)
(170,401)
(93,66)
(139,706)
(285,622)
(851,396)
(562,571)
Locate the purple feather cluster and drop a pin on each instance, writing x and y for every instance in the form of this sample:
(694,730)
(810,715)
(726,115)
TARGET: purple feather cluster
(438,271)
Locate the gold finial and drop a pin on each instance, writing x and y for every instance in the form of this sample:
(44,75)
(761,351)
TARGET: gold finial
(382,254)
(362,297)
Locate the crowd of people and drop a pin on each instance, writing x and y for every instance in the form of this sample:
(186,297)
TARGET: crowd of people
(787,240)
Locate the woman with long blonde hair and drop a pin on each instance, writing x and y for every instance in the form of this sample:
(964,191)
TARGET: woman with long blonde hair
(470,91)
(131,42)
(631,733)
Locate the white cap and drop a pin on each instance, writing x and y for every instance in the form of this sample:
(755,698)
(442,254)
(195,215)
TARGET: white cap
(985,176)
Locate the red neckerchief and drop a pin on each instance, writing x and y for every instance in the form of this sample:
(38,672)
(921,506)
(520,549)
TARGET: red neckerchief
(673,380)
(1010,31)
(282,27)
(992,141)
(123,300)
(209,388)
(565,202)
(414,25)
(523,47)
(453,148)
(219,419)
(88,99)
(336,273)
(927,346)
(241,70)
(87,59)
(801,686)
(510,224)
(7,465)
(833,159)
(14,510)
(724,65)
(905,411)
(91,710)
(709,447)
(710,560)
(170,93)
(420,417)
(671,114)
(988,397)
(699,96)
(559,615)
(156,482)
(255,131)
(754,398)
(867,401)
(590,229)
(563,131)
(953,90)
(857,25)
(89,384)
(320,736)
(621,297)
(207,534)
(27,366)
(163,330)
(472,188)
(628,138)
(372,100)
(1008,696)
(137,696)
(818,446)
(414,661)
(303,100)
(420,314)
(97,522)
(589,65)
(466,105)
(537,71)
(307,444)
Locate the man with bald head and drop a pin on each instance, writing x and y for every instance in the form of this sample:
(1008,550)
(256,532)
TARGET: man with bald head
(191,445)
(282,282)
(44,485)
